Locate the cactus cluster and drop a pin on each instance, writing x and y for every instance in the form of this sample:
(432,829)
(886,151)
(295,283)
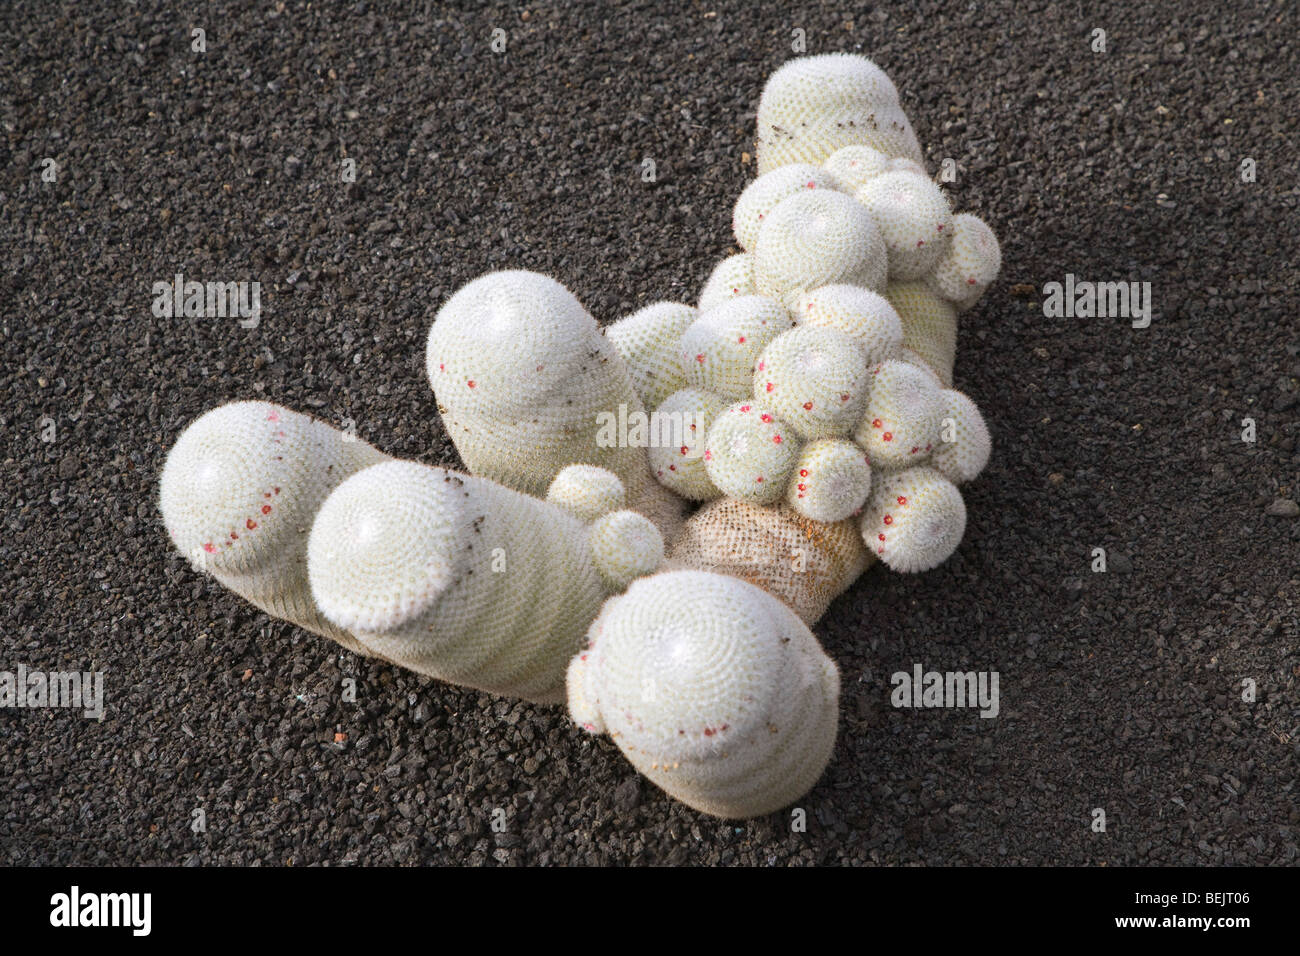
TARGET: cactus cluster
(816,431)
(858,268)
(452,576)
(712,688)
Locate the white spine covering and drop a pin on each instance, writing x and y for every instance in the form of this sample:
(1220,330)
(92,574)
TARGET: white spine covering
(647,342)
(713,689)
(238,494)
(813,106)
(524,379)
(456,577)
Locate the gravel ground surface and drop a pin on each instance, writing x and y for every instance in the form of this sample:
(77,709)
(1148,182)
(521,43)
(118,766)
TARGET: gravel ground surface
(1120,691)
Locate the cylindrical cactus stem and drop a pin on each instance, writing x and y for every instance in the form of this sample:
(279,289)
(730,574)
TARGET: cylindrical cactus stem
(964,444)
(760,197)
(238,494)
(527,385)
(750,453)
(915,219)
(831,481)
(929,326)
(863,315)
(679,465)
(914,519)
(718,351)
(817,237)
(815,105)
(587,492)
(969,266)
(901,424)
(731,278)
(647,342)
(713,690)
(456,577)
(805,563)
(815,379)
(854,165)
(625,546)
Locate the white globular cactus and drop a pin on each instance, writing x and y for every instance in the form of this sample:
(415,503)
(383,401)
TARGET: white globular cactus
(831,481)
(813,106)
(915,220)
(719,350)
(239,492)
(731,278)
(679,464)
(713,689)
(854,165)
(964,444)
(761,196)
(815,379)
(929,326)
(863,315)
(750,453)
(456,577)
(970,264)
(647,342)
(913,358)
(914,519)
(625,546)
(814,238)
(902,418)
(527,384)
(587,492)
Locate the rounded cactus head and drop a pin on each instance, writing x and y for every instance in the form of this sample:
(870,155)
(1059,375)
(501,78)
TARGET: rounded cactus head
(587,492)
(815,379)
(914,519)
(970,265)
(456,577)
(815,105)
(713,690)
(854,165)
(718,351)
(761,196)
(861,314)
(386,545)
(915,219)
(831,481)
(902,418)
(964,444)
(505,341)
(679,464)
(625,546)
(238,495)
(731,278)
(815,238)
(750,453)
(244,480)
